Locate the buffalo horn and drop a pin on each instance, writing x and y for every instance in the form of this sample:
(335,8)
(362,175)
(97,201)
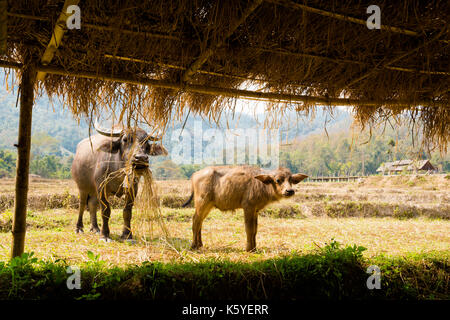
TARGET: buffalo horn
(107,132)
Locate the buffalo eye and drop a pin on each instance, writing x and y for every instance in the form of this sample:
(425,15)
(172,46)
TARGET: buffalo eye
(127,139)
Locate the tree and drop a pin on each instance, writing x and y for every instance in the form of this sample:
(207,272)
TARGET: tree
(7,163)
(188,169)
(391,144)
(166,170)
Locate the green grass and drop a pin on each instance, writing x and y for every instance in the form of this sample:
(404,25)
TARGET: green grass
(406,232)
(51,235)
(331,272)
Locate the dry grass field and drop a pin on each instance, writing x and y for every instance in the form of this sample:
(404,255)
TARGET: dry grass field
(393,216)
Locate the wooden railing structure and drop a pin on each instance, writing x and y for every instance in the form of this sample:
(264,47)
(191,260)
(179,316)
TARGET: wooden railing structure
(335,179)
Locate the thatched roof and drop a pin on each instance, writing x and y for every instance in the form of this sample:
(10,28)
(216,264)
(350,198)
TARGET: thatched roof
(202,54)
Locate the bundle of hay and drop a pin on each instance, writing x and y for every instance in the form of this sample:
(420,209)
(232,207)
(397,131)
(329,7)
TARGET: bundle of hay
(147,202)
(147,207)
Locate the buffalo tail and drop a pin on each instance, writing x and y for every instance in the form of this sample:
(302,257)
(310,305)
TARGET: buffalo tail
(189,200)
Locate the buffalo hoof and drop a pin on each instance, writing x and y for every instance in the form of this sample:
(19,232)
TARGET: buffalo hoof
(196,246)
(106,239)
(79,230)
(95,230)
(126,236)
(130,241)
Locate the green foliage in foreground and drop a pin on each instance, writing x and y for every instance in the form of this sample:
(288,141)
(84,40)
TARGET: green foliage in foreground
(333,272)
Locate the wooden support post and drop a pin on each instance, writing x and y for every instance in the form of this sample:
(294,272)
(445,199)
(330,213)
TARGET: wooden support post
(3,25)
(23,158)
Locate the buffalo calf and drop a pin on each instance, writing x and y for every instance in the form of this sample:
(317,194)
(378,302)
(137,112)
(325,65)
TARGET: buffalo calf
(230,188)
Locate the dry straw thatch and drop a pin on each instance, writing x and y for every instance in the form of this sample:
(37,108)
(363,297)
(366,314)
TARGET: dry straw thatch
(201,54)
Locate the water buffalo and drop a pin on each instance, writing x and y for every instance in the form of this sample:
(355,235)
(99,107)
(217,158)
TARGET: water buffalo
(101,157)
(230,188)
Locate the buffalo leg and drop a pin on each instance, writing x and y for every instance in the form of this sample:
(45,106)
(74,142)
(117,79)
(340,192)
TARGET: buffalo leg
(251,227)
(83,200)
(201,211)
(93,204)
(197,232)
(106,213)
(127,212)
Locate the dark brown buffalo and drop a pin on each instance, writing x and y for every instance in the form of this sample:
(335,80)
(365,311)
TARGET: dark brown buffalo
(102,156)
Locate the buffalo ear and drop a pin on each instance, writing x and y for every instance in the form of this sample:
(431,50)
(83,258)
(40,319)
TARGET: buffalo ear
(158,150)
(296,178)
(265,178)
(110,146)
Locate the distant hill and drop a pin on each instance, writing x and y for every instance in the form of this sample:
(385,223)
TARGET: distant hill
(53,123)
(305,145)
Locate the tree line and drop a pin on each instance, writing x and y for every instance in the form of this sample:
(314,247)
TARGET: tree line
(339,153)
(46,166)
(347,153)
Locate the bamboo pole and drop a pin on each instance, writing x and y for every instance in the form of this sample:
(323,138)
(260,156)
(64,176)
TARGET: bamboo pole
(238,93)
(228,92)
(10,64)
(23,158)
(348,61)
(338,16)
(57,35)
(132,32)
(101,27)
(172,66)
(402,69)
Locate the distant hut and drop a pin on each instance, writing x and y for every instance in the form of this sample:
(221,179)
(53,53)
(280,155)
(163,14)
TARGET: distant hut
(407,165)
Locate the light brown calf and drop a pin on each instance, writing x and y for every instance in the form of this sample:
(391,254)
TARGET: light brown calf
(230,188)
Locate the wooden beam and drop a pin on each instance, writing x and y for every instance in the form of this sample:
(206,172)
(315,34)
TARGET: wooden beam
(172,66)
(284,52)
(245,94)
(102,28)
(23,158)
(27,16)
(3,25)
(402,69)
(132,32)
(295,5)
(238,93)
(10,64)
(198,63)
(338,60)
(57,35)
(280,52)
